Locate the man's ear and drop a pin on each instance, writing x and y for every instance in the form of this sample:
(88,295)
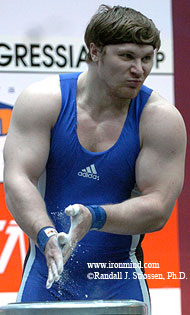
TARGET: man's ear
(94,52)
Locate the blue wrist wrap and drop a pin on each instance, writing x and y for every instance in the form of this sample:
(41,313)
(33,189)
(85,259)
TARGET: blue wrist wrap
(44,235)
(98,217)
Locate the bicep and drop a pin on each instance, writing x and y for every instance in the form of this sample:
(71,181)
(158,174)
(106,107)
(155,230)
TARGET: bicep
(27,144)
(160,164)
(25,153)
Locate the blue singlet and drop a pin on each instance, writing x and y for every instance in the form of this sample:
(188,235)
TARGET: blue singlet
(103,265)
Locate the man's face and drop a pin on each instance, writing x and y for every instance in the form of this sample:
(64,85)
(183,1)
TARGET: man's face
(123,68)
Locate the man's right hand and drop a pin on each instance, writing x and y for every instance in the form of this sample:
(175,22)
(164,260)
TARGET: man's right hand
(54,260)
(59,247)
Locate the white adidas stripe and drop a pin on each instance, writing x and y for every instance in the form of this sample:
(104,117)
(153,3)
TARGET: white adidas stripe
(134,242)
(89,172)
(90,169)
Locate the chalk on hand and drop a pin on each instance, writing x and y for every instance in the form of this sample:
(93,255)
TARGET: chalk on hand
(62,238)
(72,210)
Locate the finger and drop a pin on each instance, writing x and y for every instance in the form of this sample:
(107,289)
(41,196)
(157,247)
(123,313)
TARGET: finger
(60,265)
(52,275)
(58,258)
(72,210)
(50,279)
(68,250)
(62,238)
(56,276)
(67,255)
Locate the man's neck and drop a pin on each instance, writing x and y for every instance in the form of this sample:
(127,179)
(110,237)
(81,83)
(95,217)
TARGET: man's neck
(94,97)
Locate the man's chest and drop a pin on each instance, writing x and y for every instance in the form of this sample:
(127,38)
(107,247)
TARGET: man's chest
(98,135)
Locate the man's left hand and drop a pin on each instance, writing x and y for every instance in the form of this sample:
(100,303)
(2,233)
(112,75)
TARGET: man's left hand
(81,220)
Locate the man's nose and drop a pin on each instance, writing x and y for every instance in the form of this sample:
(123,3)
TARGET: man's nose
(137,68)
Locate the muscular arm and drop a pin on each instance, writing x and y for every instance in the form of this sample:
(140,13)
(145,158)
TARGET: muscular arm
(159,172)
(25,154)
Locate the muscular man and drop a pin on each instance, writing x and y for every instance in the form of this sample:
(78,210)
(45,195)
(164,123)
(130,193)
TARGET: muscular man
(77,146)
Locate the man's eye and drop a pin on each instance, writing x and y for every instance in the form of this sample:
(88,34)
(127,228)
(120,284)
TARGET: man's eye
(147,58)
(127,56)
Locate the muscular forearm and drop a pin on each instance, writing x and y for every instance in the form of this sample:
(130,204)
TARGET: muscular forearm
(26,205)
(143,214)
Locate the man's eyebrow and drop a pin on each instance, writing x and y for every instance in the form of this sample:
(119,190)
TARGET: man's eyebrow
(123,50)
(126,50)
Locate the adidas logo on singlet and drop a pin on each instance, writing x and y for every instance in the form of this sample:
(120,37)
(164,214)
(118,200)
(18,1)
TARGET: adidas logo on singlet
(89,172)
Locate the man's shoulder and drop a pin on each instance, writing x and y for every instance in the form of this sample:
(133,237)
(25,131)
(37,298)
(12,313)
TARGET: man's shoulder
(161,118)
(41,99)
(48,86)
(41,93)
(158,105)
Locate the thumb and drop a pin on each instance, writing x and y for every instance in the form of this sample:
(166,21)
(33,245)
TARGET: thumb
(62,238)
(73,210)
